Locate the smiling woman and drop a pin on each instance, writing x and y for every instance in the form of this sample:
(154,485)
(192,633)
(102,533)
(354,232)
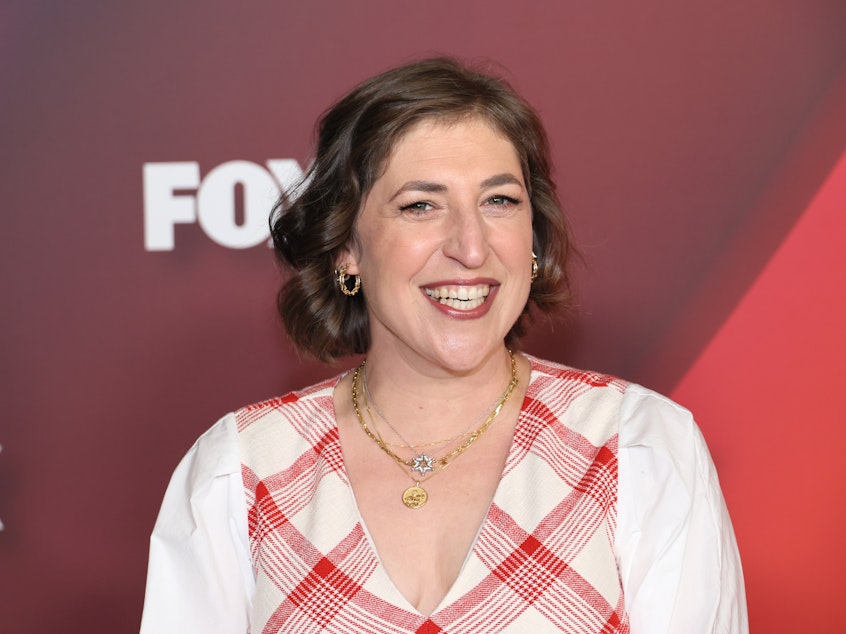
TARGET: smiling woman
(449,219)
(574,501)
(355,139)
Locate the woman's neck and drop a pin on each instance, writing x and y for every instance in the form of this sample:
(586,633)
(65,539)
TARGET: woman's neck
(424,400)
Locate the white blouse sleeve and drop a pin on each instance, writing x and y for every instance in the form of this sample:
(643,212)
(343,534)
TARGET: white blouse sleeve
(677,552)
(200,578)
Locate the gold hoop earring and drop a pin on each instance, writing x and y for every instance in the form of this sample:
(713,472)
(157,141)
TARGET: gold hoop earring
(342,281)
(534,267)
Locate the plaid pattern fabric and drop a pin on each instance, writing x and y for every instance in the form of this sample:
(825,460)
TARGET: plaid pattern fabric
(544,560)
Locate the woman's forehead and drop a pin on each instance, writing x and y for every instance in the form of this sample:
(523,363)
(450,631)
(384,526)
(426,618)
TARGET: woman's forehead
(436,144)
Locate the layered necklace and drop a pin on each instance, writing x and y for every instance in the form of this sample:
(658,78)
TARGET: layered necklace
(420,464)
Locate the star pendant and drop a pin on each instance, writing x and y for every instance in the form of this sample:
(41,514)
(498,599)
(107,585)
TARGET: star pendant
(422,464)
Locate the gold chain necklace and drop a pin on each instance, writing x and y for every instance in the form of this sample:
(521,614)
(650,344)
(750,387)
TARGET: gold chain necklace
(405,444)
(416,496)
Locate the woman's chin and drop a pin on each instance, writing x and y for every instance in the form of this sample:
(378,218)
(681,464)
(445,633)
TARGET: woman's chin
(463,356)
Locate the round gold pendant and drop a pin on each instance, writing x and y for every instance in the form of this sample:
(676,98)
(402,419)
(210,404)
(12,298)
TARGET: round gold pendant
(415,497)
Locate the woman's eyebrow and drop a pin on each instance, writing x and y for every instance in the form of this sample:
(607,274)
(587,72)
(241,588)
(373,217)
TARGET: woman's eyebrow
(505,178)
(433,187)
(430,187)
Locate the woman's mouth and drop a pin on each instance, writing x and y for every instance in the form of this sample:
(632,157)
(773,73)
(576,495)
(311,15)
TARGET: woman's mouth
(460,297)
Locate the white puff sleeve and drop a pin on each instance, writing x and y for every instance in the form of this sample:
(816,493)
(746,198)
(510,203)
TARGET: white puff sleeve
(200,578)
(677,552)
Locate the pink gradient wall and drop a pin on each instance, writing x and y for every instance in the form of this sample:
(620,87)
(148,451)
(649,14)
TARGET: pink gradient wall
(699,152)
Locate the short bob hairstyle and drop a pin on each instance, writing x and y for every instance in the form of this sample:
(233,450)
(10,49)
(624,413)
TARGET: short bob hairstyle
(355,138)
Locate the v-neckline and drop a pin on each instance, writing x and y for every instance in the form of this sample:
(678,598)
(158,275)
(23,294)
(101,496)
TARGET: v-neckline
(399,599)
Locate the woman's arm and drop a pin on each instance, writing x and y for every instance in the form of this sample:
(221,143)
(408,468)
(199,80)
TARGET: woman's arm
(677,552)
(200,577)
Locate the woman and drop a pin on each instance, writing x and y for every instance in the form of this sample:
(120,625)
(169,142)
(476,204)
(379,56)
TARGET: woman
(448,483)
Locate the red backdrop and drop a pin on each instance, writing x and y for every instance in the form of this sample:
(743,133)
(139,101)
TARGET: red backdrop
(699,151)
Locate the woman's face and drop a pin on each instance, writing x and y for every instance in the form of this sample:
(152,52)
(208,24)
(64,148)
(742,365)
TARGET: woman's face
(444,242)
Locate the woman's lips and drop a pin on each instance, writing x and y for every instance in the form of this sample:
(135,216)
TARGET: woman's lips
(465,301)
(459,297)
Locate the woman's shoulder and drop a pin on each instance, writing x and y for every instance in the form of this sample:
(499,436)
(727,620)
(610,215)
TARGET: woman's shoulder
(273,434)
(552,371)
(314,398)
(635,397)
(582,401)
(644,416)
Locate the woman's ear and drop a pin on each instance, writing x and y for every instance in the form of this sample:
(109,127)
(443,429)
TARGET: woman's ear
(348,255)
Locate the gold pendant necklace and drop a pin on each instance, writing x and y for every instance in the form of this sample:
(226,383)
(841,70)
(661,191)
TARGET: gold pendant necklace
(414,497)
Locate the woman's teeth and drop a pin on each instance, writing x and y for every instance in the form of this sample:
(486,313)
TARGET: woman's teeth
(460,297)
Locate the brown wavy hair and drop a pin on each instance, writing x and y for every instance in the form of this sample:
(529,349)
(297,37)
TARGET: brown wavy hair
(355,138)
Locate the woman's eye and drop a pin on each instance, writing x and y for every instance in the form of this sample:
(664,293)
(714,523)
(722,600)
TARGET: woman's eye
(502,201)
(417,207)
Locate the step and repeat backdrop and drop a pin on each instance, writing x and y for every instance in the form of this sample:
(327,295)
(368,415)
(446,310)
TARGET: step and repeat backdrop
(700,152)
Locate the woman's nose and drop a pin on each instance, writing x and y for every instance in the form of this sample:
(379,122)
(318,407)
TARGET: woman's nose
(467,240)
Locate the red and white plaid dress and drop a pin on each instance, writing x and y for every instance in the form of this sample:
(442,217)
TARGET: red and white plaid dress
(541,562)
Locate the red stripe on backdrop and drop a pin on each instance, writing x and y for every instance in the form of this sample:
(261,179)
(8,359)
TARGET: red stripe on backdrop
(748,243)
(766,393)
